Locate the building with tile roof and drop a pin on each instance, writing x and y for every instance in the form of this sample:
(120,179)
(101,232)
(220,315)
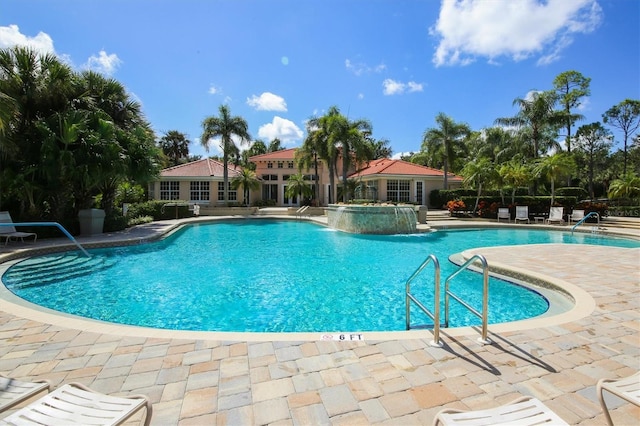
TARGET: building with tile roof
(198,182)
(383,179)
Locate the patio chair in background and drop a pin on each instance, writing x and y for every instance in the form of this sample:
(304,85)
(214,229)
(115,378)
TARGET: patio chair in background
(522,213)
(503,213)
(523,411)
(627,388)
(556,215)
(576,216)
(14,392)
(8,231)
(76,404)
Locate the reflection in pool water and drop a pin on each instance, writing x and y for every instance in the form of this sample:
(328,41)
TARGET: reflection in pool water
(274,276)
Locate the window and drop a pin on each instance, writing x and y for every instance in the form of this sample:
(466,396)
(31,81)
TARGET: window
(290,165)
(419,192)
(398,190)
(170,190)
(233,194)
(199,191)
(269,177)
(280,165)
(270,192)
(269,165)
(285,177)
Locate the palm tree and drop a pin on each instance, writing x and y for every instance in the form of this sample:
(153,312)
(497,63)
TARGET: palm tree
(351,136)
(246,180)
(225,127)
(628,186)
(379,148)
(445,140)
(175,145)
(479,172)
(537,118)
(297,186)
(515,174)
(553,168)
(309,154)
(324,146)
(275,145)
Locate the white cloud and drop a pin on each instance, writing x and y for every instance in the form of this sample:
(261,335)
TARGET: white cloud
(11,36)
(392,87)
(215,145)
(213,90)
(267,102)
(516,29)
(281,128)
(104,63)
(362,68)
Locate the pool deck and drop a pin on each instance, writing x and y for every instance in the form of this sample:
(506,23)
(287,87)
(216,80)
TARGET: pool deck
(385,378)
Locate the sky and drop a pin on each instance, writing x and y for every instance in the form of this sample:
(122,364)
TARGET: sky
(396,63)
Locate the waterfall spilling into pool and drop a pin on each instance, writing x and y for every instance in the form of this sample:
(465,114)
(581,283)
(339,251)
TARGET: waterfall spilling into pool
(372,219)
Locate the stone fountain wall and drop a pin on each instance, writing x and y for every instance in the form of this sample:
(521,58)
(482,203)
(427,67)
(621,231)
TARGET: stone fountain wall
(372,219)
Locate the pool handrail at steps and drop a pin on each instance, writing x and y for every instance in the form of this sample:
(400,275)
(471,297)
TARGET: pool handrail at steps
(484,315)
(57,225)
(435,315)
(588,215)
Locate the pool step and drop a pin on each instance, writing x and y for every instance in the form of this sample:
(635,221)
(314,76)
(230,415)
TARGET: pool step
(51,269)
(621,222)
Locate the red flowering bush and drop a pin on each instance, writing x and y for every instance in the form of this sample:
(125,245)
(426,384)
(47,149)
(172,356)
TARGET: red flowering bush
(456,205)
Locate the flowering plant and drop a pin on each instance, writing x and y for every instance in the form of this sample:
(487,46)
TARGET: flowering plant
(456,205)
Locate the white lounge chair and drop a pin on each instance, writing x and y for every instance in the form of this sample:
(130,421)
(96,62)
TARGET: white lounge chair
(76,404)
(14,392)
(576,216)
(627,388)
(556,215)
(503,213)
(9,231)
(522,213)
(523,411)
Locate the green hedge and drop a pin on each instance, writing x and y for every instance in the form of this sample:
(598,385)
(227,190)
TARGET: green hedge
(157,210)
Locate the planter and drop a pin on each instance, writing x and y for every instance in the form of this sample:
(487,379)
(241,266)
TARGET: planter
(91,221)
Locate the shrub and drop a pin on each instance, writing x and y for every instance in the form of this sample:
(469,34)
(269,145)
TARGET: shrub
(139,220)
(157,210)
(115,222)
(264,203)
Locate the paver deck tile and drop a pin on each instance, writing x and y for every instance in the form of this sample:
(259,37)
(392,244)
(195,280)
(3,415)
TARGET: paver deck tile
(301,399)
(399,404)
(376,381)
(338,399)
(314,414)
(374,411)
(307,382)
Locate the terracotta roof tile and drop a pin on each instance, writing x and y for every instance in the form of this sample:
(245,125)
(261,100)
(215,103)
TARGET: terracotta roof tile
(283,154)
(201,168)
(387,166)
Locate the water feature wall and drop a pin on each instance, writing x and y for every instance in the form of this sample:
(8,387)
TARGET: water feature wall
(372,219)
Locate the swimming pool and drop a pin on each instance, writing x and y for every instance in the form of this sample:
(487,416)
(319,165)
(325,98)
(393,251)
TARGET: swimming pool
(280,276)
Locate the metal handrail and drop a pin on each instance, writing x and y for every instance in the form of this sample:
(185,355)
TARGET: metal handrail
(590,214)
(435,316)
(56,224)
(484,315)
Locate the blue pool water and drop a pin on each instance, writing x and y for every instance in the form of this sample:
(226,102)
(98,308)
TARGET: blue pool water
(275,276)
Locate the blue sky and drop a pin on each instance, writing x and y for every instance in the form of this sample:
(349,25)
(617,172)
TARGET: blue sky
(397,63)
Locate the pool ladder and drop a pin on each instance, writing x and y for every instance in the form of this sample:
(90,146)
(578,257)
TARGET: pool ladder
(581,221)
(435,315)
